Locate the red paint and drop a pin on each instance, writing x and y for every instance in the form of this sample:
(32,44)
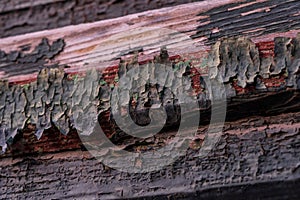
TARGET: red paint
(23,82)
(143,62)
(174,57)
(110,74)
(266,49)
(276,81)
(195,76)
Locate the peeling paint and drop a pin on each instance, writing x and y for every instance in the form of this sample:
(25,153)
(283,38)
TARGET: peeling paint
(234,57)
(23,62)
(238,58)
(56,98)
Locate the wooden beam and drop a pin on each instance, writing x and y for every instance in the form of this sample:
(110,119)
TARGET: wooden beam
(88,44)
(19,17)
(253,154)
(258,67)
(101,45)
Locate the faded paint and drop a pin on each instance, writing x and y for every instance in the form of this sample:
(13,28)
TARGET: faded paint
(59,99)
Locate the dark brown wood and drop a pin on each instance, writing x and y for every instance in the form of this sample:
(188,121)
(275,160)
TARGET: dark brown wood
(251,151)
(253,18)
(258,154)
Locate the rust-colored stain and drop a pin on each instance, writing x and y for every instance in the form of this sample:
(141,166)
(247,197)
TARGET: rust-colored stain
(266,49)
(275,82)
(110,74)
(51,141)
(195,76)
(87,49)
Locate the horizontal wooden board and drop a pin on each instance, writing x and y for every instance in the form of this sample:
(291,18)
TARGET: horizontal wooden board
(87,45)
(24,16)
(250,152)
(259,146)
(102,44)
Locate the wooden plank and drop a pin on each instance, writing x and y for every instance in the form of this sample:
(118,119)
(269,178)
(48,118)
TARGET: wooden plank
(83,39)
(78,48)
(9,6)
(25,16)
(86,44)
(260,140)
(253,154)
(242,108)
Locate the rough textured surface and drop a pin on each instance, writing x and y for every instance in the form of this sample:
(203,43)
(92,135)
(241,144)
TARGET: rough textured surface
(249,18)
(239,58)
(240,107)
(257,156)
(253,150)
(66,101)
(257,190)
(234,58)
(85,42)
(19,17)
(24,62)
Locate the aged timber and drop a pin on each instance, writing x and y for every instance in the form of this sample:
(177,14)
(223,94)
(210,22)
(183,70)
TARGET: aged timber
(19,17)
(74,101)
(257,60)
(252,18)
(251,151)
(88,44)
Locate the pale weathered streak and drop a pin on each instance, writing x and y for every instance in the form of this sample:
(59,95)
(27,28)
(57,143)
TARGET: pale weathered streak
(89,44)
(82,40)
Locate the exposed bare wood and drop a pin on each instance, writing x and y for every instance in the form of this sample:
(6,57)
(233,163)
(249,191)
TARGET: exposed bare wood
(259,68)
(97,42)
(24,16)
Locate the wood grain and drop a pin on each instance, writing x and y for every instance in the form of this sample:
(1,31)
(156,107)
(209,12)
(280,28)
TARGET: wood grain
(254,155)
(24,16)
(259,147)
(254,18)
(98,44)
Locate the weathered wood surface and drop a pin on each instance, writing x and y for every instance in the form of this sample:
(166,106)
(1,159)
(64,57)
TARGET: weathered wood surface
(83,40)
(251,80)
(261,136)
(19,17)
(251,18)
(250,152)
(89,44)
(52,140)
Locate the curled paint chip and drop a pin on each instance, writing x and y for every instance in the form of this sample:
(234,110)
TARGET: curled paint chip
(55,99)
